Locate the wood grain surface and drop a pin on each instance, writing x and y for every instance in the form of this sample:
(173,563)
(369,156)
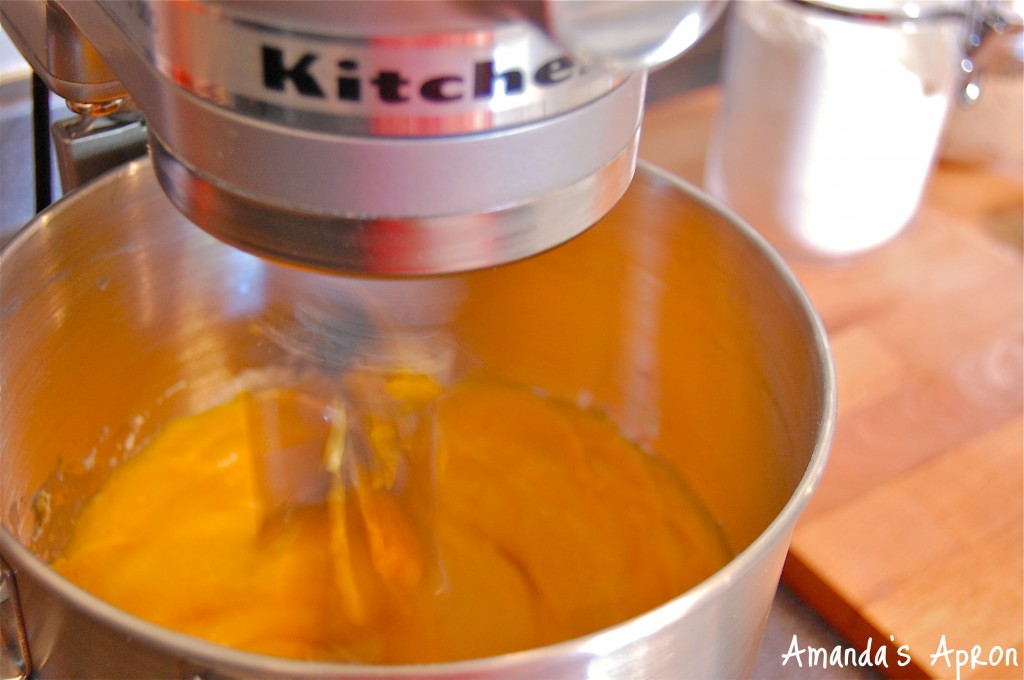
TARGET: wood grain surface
(913,540)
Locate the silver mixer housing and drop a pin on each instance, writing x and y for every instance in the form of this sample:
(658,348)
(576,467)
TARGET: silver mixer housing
(390,138)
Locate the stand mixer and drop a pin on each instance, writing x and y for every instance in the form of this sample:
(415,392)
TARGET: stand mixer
(371,137)
(409,148)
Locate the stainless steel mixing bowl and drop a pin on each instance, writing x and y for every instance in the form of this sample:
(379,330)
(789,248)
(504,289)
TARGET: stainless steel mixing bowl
(670,315)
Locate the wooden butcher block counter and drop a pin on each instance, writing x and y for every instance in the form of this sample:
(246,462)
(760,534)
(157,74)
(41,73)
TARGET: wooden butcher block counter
(913,540)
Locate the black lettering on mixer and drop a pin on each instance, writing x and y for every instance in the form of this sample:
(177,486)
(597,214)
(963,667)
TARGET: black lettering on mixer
(296,75)
(484,78)
(276,74)
(389,85)
(349,88)
(554,71)
(441,89)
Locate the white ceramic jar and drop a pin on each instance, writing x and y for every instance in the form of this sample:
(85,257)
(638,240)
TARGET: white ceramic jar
(831,119)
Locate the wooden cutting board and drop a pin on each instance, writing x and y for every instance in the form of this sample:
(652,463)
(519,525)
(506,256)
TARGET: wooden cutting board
(913,540)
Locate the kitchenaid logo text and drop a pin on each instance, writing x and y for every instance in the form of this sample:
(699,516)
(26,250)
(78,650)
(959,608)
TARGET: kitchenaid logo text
(299,74)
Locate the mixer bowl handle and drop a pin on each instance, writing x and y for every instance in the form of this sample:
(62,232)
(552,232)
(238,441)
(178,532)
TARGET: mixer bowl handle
(15,662)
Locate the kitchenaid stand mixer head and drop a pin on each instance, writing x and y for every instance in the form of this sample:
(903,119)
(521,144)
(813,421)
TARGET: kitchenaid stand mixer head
(390,138)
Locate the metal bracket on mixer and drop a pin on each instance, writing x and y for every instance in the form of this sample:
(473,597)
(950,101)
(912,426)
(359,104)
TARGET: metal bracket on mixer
(89,145)
(15,662)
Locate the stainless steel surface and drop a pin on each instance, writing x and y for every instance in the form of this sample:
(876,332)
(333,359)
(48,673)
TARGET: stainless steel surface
(702,327)
(436,220)
(383,138)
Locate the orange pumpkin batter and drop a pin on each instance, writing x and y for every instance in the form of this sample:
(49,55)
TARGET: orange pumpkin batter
(549,525)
